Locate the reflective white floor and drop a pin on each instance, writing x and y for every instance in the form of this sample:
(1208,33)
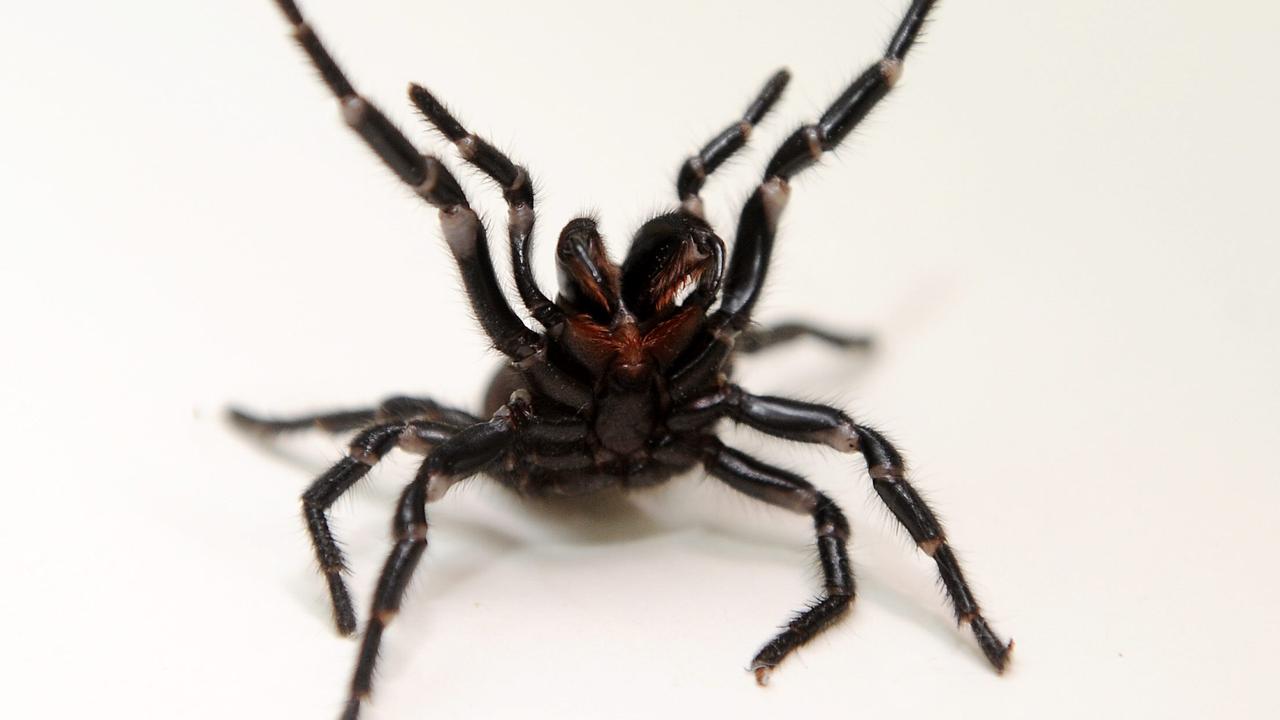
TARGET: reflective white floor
(1061,226)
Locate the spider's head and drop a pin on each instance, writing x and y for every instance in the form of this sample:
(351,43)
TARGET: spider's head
(676,261)
(589,280)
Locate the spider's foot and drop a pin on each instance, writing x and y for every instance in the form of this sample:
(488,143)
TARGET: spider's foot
(1000,659)
(245,422)
(996,650)
(772,654)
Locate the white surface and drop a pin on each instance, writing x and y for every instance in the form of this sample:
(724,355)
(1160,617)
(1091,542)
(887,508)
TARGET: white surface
(1061,225)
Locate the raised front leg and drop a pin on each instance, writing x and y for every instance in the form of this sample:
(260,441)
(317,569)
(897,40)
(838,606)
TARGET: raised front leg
(758,222)
(433,182)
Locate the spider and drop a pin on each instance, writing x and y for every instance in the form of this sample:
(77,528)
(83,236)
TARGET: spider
(629,376)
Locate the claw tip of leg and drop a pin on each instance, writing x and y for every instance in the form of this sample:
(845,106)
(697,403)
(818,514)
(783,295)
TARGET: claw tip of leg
(1002,663)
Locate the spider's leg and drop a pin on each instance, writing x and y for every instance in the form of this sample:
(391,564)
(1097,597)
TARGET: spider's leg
(364,452)
(408,408)
(694,172)
(396,408)
(432,181)
(334,422)
(517,190)
(755,339)
(808,422)
(461,455)
(759,219)
(784,489)
(758,222)
(709,362)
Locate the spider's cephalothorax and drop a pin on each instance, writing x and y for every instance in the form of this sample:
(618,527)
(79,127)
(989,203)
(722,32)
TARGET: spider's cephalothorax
(627,380)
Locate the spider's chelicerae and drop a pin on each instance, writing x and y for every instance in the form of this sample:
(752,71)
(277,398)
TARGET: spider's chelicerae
(627,380)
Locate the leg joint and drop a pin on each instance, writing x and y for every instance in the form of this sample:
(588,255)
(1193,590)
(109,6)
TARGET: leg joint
(828,519)
(369,446)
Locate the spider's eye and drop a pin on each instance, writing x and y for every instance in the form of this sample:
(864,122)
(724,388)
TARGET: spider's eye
(675,261)
(588,279)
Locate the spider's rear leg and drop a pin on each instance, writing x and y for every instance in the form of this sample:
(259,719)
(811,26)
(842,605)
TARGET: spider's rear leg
(396,408)
(365,450)
(787,490)
(462,454)
(888,475)
(333,422)
(694,172)
(808,422)
(755,339)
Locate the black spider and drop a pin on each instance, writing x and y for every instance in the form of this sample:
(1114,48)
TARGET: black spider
(626,383)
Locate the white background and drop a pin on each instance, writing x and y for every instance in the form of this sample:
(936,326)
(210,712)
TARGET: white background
(1061,226)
